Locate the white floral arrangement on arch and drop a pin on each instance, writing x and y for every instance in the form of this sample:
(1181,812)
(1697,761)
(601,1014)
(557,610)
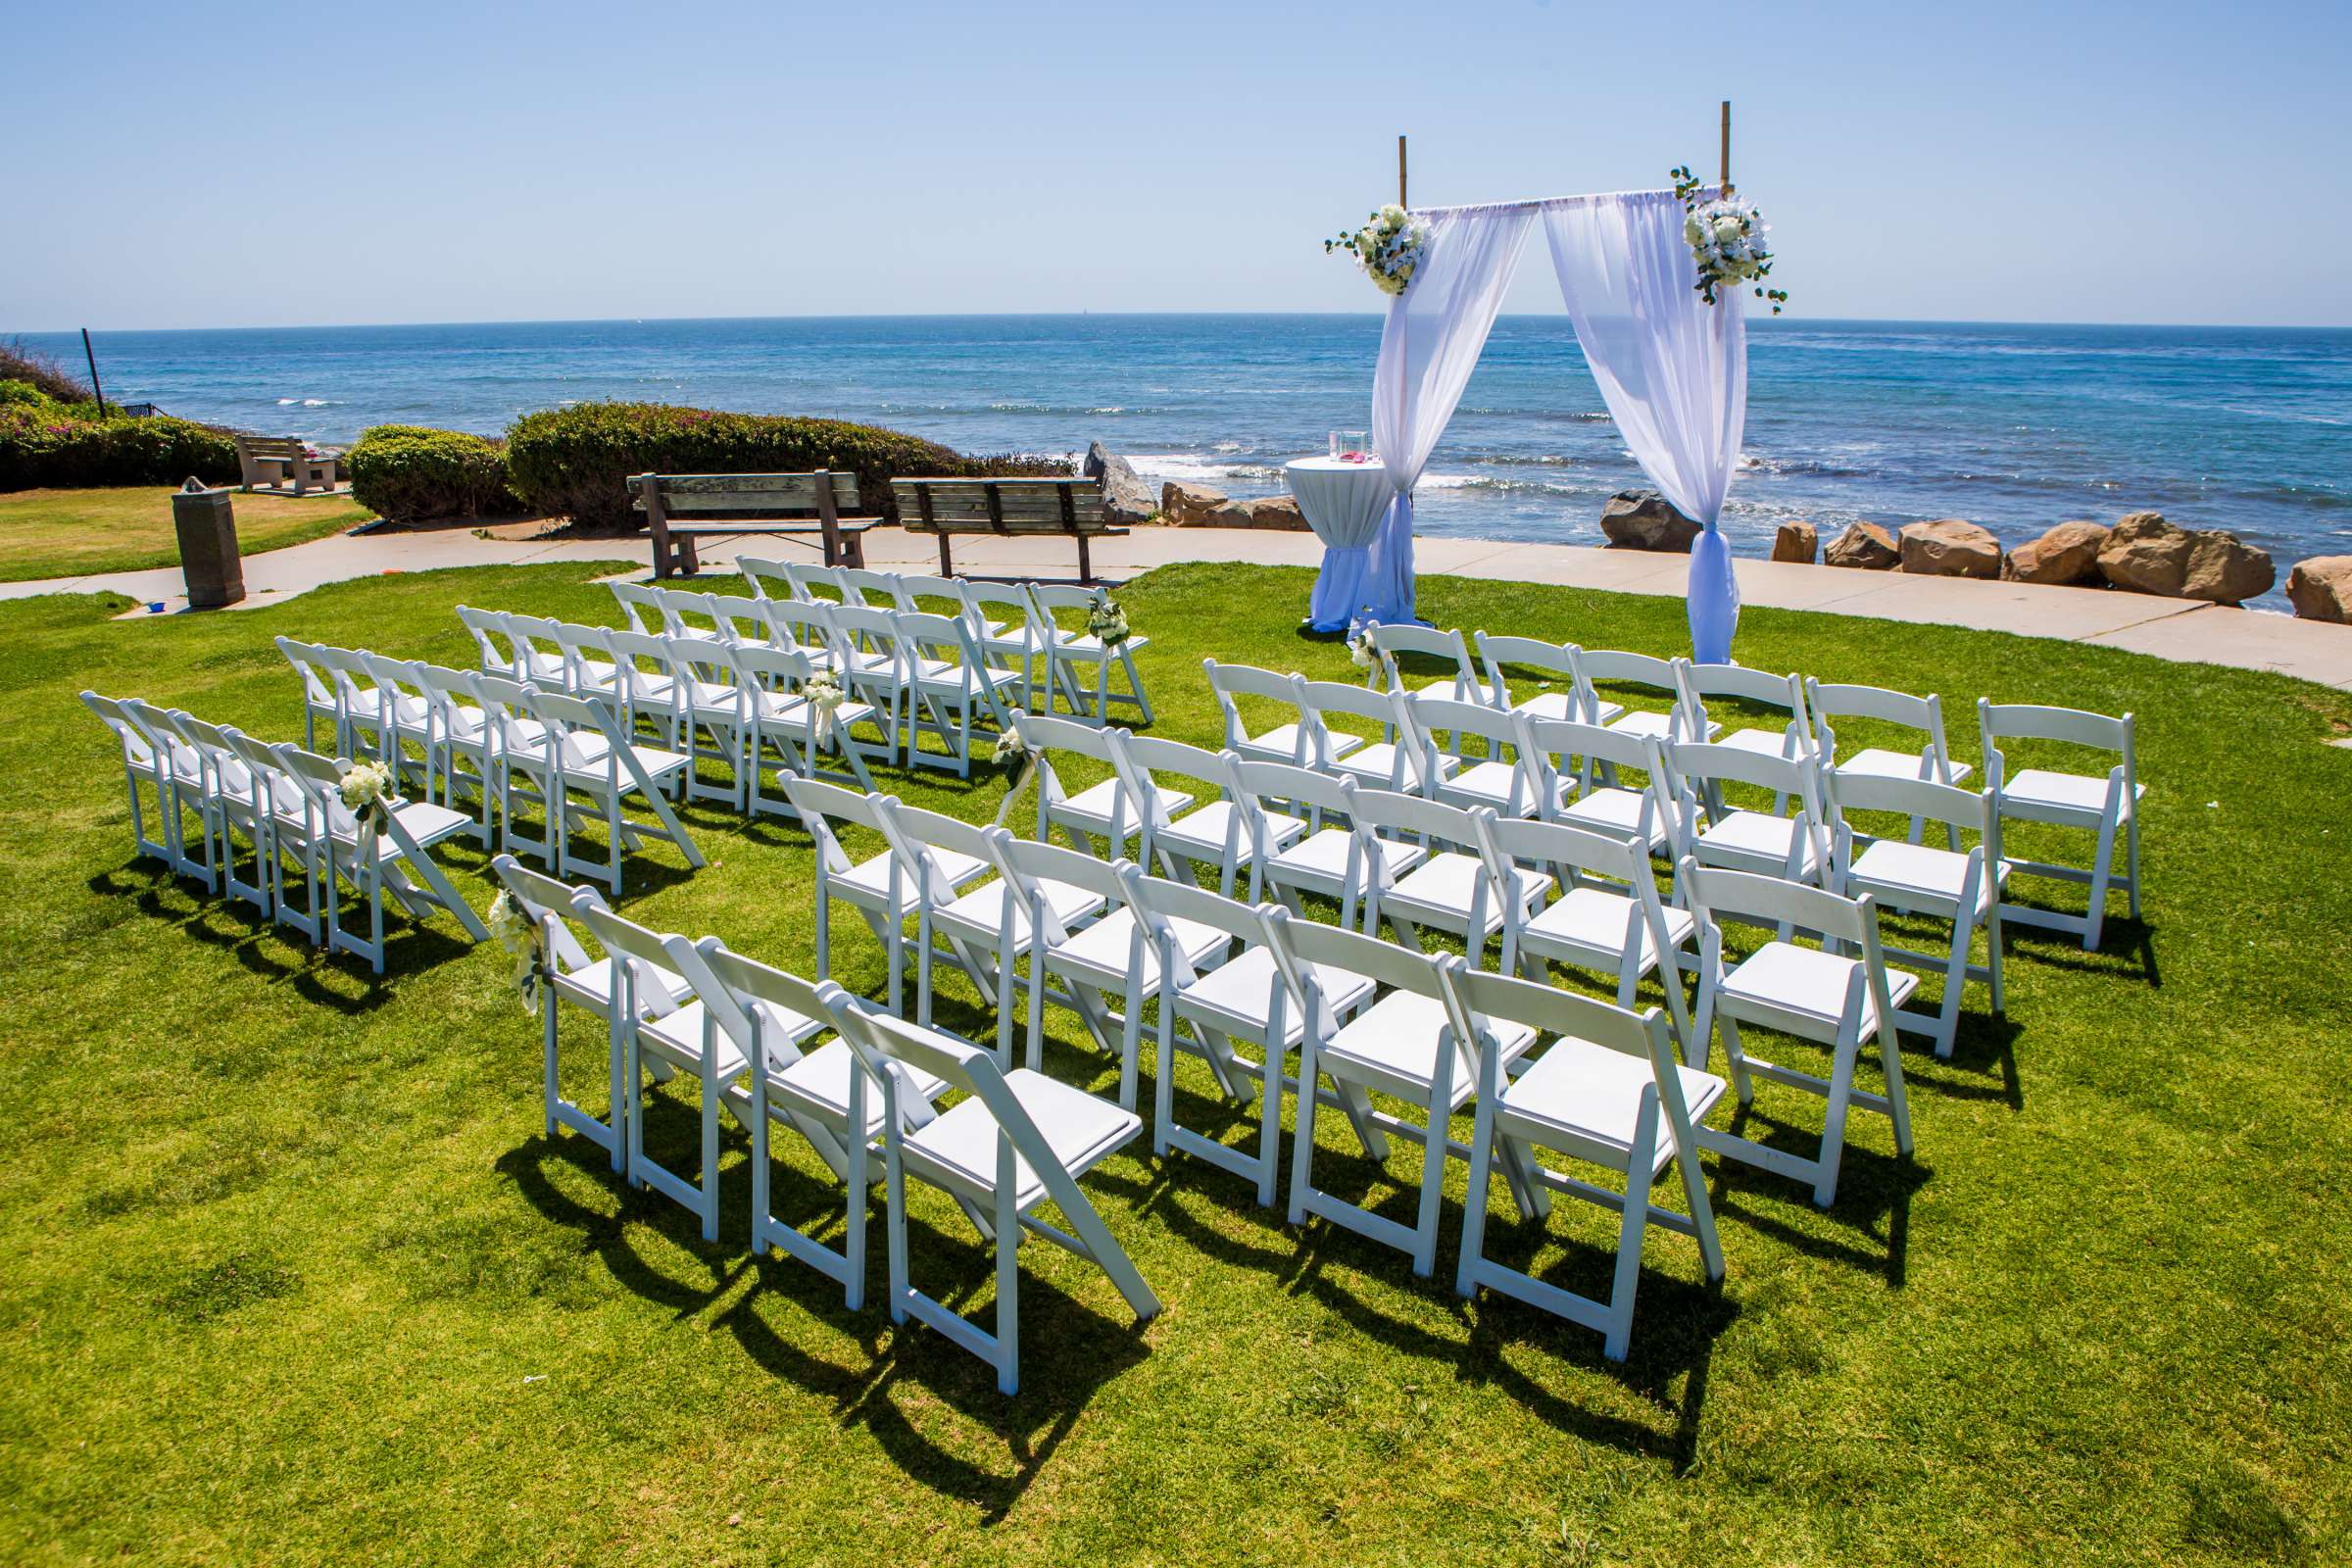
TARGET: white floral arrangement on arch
(1728,241)
(1389,248)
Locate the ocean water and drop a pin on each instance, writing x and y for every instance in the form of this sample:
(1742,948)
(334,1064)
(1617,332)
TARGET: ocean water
(2013,426)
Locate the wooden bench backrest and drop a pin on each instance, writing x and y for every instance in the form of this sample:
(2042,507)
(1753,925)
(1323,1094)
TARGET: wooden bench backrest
(1000,505)
(688,495)
(269,446)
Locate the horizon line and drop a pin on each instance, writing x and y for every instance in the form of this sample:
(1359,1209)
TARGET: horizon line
(1782,323)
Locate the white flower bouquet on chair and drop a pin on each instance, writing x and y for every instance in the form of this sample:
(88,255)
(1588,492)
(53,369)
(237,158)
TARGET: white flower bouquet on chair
(1389,248)
(1728,241)
(1107,622)
(367,790)
(524,941)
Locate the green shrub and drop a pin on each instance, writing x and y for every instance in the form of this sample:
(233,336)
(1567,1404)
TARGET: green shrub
(577,461)
(407,473)
(40,372)
(44,442)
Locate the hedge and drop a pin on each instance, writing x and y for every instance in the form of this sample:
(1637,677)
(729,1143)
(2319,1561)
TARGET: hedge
(577,461)
(44,442)
(409,472)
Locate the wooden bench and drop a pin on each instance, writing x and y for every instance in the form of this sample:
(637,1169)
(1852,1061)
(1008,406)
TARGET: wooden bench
(681,507)
(277,461)
(1004,507)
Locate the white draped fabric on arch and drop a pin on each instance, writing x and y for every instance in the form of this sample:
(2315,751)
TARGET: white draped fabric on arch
(1672,370)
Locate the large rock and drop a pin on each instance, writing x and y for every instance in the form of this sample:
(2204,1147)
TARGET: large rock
(2146,555)
(1277,511)
(1949,548)
(2322,588)
(1189,506)
(1643,519)
(1795,541)
(1125,496)
(1865,545)
(2224,569)
(2067,554)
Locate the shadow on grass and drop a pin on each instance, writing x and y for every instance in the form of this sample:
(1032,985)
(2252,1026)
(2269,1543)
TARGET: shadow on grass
(1873,1203)
(2127,949)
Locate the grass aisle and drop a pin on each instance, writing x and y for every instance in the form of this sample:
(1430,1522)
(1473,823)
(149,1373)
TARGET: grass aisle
(74,534)
(293,1277)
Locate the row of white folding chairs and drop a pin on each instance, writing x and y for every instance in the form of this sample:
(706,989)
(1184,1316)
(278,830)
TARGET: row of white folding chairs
(1296,831)
(2104,802)
(775,1051)
(1019,625)
(924,674)
(743,704)
(506,744)
(1224,971)
(285,803)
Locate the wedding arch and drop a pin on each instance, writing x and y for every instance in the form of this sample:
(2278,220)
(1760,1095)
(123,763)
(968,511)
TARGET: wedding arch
(1672,370)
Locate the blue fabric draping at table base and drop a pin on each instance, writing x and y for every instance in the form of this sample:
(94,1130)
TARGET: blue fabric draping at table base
(1713,598)
(1375,583)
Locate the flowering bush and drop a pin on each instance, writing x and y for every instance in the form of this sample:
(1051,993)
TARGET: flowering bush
(1389,248)
(407,473)
(1726,235)
(44,441)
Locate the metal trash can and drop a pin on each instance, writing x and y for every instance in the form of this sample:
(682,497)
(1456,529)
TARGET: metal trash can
(208,546)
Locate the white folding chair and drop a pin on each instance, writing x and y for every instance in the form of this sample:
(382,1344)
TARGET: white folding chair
(874,664)
(408,715)
(235,800)
(1933,760)
(1403,761)
(649,686)
(457,731)
(1019,1139)
(1963,887)
(882,888)
(822,1092)
(1458,683)
(1205,1010)
(1068,655)
(1607,1092)
(1462,886)
(1587,768)
(318,700)
(1735,683)
(1502,775)
(180,768)
(567,973)
(582,751)
(2106,806)
(768,579)
(290,828)
(363,726)
(1717,831)
(390,855)
(803,627)
(1223,832)
(781,728)
(813,582)
(1003,621)
(1607,917)
(1293,740)
(1406,1046)
(951,689)
(500,653)
(716,718)
(143,761)
(1550,664)
(1811,993)
(860,585)
(545,661)
(1635,672)
(1110,809)
(1334,857)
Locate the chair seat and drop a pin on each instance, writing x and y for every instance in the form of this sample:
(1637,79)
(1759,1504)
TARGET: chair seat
(1877,761)
(959,1151)
(426,823)
(1392,1046)
(1757,840)
(677,1038)
(1760,742)
(656,762)
(1238,996)
(1643,721)
(979,913)
(1320,863)
(1090,808)
(1501,785)
(820,1082)
(1201,835)
(1377,765)
(869,882)
(2071,794)
(788,712)
(1101,951)
(1617,811)
(591,985)
(1803,988)
(1282,743)
(1595,922)
(1557,705)
(1441,891)
(1585,1099)
(1902,875)
(1088,649)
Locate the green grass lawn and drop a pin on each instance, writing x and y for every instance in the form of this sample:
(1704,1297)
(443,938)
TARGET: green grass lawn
(71,533)
(292,1275)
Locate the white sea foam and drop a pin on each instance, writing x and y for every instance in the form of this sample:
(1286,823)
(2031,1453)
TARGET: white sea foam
(285,402)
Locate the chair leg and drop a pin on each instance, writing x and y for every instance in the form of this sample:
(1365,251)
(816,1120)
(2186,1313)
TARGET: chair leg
(1476,1199)
(1833,1128)
(2102,871)
(2132,863)
(1993,943)
(1433,1153)
(1008,1296)
(1302,1135)
(1617,1338)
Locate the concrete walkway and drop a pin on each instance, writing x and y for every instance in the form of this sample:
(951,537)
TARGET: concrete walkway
(2178,629)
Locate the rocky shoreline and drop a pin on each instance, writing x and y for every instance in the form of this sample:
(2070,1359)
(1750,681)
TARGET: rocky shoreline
(2141,551)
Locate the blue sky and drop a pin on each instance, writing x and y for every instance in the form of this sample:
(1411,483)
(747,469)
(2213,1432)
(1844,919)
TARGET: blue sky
(173,165)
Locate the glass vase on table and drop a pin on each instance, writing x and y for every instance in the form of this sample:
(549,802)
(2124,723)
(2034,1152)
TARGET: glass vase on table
(1352,446)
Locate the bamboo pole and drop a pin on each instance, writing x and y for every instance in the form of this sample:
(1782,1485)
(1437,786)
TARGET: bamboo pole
(1727,147)
(1401,201)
